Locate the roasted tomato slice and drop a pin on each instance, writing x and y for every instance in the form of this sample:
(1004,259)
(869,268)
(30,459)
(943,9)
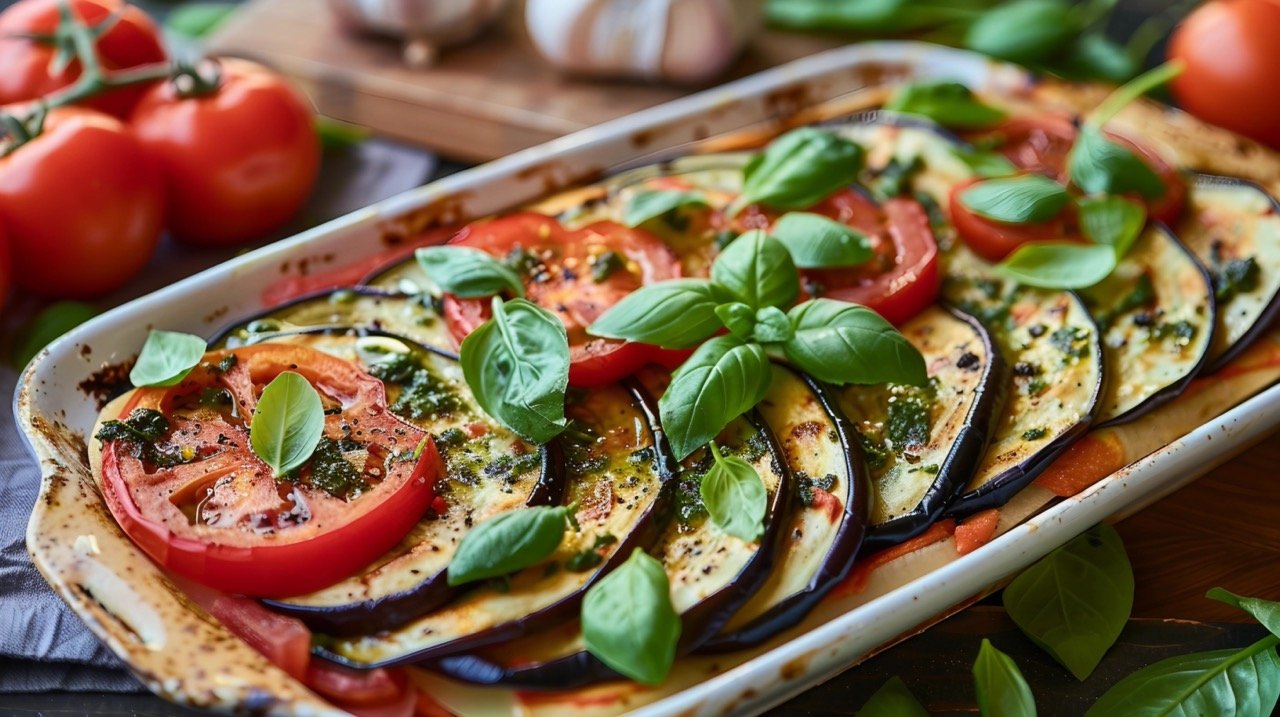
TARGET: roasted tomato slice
(576,274)
(203,505)
(994,240)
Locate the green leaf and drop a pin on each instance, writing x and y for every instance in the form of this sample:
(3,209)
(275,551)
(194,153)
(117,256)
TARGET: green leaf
(734,496)
(1095,56)
(1130,91)
(1058,265)
(676,314)
(799,169)
(844,343)
(197,19)
(1100,166)
(628,621)
(653,204)
(722,380)
(949,104)
(517,365)
(1075,601)
(1114,221)
(51,323)
(1024,31)
(510,542)
(985,163)
(467,273)
(738,318)
(287,423)
(772,326)
(1222,683)
(758,270)
(1025,199)
(336,134)
(862,16)
(166,358)
(1266,612)
(1002,692)
(817,242)
(893,699)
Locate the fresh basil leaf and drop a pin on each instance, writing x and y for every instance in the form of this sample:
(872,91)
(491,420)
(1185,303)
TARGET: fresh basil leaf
(510,542)
(1002,691)
(1222,683)
(1114,221)
(1096,56)
(676,314)
(844,343)
(197,19)
(816,242)
(758,270)
(861,16)
(288,423)
(1058,265)
(799,169)
(1100,166)
(738,318)
(722,380)
(734,496)
(772,326)
(949,104)
(49,324)
(893,699)
(466,272)
(1266,612)
(1076,600)
(985,163)
(1130,91)
(166,358)
(1025,199)
(1023,31)
(628,621)
(517,365)
(653,204)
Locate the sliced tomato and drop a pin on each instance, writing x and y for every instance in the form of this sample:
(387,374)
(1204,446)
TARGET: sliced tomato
(558,277)
(223,520)
(285,641)
(356,687)
(994,240)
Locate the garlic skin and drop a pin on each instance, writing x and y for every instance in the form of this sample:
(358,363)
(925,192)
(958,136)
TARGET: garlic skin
(426,25)
(682,41)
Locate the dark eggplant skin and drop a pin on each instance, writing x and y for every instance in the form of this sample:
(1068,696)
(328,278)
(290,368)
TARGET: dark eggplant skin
(221,337)
(845,542)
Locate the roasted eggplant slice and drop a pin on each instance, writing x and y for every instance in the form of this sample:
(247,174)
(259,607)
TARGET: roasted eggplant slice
(1233,227)
(907,152)
(1157,315)
(922,444)
(825,525)
(1054,349)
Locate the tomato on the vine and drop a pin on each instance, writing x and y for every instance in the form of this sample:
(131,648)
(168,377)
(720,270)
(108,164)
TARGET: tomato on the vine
(83,205)
(30,61)
(240,157)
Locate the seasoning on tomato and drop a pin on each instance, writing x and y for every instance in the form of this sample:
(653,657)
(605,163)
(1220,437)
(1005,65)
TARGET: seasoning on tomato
(184,474)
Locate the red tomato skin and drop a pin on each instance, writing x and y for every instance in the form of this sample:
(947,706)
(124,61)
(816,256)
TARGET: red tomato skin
(239,162)
(285,641)
(993,240)
(355,687)
(134,40)
(83,205)
(1231,51)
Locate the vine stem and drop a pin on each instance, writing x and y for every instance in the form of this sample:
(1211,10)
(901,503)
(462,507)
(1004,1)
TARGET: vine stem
(94,79)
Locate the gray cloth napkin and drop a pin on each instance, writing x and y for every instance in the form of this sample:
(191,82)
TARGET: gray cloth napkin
(43,645)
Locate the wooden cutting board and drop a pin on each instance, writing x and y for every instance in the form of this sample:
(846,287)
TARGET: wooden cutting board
(481,101)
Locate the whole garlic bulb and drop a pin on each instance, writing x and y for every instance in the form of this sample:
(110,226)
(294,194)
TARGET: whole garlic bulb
(685,41)
(425,25)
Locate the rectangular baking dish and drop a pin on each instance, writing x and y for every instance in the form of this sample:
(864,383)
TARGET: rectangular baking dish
(185,656)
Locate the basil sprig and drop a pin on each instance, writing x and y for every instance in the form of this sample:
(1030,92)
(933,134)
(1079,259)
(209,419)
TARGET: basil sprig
(949,104)
(722,380)
(517,365)
(288,423)
(817,242)
(1058,265)
(844,343)
(1025,199)
(758,270)
(467,273)
(510,542)
(648,205)
(1002,691)
(799,169)
(628,621)
(734,496)
(166,358)
(675,314)
(985,163)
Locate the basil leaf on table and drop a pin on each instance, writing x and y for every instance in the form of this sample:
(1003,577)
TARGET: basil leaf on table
(628,621)
(1002,691)
(1098,165)
(466,272)
(1074,602)
(653,204)
(738,318)
(949,104)
(675,314)
(1114,221)
(985,163)
(817,242)
(722,380)
(49,324)
(799,169)
(772,326)
(510,542)
(1025,199)
(734,496)
(1266,612)
(1023,31)
(893,699)
(288,423)
(844,343)
(166,358)
(758,270)
(1058,265)
(1223,683)
(517,365)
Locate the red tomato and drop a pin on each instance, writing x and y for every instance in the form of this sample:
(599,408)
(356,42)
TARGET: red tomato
(28,64)
(239,162)
(355,687)
(994,240)
(83,204)
(225,521)
(1231,51)
(560,280)
(285,641)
